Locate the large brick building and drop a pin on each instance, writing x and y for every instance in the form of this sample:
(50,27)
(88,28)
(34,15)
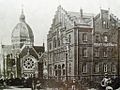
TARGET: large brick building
(92,45)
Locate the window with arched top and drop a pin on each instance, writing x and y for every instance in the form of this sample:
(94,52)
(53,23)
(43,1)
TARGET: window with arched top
(105,68)
(63,69)
(97,38)
(105,38)
(55,69)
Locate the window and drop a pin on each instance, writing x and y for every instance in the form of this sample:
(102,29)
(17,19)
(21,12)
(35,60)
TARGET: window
(97,39)
(105,66)
(70,69)
(113,68)
(105,38)
(84,37)
(55,68)
(58,42)
(96,52)
(84,68)
(84,52)
(63,69)
(54,42)
(96,68)
(105,52)
(59,70)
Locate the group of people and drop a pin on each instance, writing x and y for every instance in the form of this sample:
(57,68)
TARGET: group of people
(30,82)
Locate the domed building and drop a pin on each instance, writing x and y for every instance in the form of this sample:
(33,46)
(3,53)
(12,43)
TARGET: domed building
(22,58)
(22,34)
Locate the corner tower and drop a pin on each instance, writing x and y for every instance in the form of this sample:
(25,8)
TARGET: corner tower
(22,34)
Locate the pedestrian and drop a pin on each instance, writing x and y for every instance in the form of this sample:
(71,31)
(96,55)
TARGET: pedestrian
(38,85)
(73,84)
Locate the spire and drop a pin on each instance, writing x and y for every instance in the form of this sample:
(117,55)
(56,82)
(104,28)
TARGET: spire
(22,16)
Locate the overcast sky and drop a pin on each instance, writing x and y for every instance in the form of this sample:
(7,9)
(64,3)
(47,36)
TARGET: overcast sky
(39,14)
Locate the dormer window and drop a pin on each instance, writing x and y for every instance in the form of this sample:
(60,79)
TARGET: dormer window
(97,39)
(105,38)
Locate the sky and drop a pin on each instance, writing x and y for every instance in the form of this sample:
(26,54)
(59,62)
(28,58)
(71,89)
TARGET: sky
(39,14)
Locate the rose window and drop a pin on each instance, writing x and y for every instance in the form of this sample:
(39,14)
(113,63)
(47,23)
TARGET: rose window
(28,63)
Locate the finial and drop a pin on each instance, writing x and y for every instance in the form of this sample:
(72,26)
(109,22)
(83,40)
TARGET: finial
(22,16)
(22,10)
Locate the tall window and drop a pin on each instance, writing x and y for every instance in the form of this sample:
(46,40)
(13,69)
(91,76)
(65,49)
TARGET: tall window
(55,69)
(54,42)
(84,68)
(58,42)
(97,68)
(113,68)
(84,37)
(70,69)
(97,39)
(105,38)
(105,52)
(105,67)
(63,69)
(84,52)
(96,52)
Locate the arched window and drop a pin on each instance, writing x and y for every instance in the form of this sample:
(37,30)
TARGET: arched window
(55,69)
(63,68)
(105,67)
(59,70)
(105,38)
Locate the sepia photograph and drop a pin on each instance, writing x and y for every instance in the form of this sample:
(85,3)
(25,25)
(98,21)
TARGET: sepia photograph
(59,45)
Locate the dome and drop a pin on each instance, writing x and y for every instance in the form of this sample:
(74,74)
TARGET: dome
(22,33)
